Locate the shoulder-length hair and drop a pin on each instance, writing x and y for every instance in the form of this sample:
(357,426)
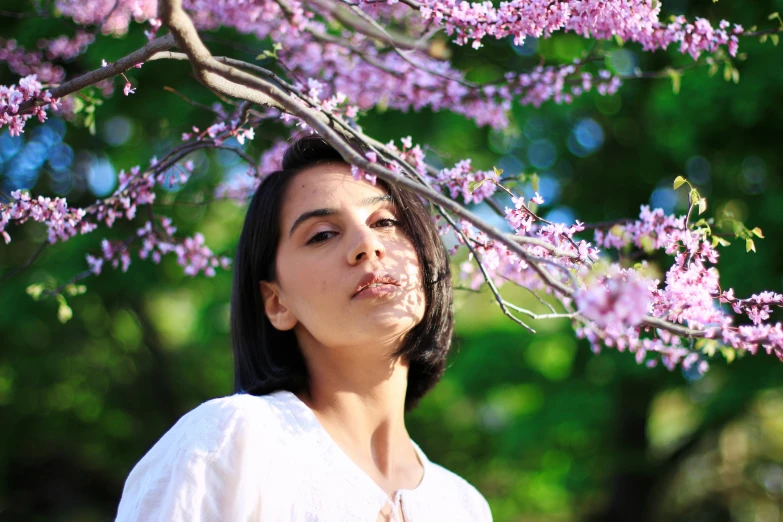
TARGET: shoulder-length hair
(267,359)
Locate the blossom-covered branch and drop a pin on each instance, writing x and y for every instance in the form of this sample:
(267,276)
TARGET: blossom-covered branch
(337,59)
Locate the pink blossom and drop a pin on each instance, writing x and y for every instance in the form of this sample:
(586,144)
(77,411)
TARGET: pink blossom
(61,221)
(615,301)
(631,20)
(12,97)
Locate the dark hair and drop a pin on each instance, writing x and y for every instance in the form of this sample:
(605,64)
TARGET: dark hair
(267,359)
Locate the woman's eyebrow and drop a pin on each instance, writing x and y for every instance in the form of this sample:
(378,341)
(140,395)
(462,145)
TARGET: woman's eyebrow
(366,202)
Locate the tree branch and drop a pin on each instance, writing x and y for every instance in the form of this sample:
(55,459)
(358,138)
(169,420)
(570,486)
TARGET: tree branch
(111,70)
(346,16)
(236,83)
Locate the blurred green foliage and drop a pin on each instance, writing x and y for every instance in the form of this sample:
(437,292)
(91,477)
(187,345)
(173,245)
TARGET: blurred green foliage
(547,430)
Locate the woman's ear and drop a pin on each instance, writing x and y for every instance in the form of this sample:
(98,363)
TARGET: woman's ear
(275,309)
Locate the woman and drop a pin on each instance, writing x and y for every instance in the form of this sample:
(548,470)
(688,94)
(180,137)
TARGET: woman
(341,321)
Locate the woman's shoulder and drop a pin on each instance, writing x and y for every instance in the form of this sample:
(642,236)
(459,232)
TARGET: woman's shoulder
(207,430)
(186,472)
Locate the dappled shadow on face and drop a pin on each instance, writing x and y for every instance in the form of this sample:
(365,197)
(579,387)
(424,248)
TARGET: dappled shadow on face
(351,232)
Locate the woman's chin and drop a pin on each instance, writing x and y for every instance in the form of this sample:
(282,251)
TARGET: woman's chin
(382,328)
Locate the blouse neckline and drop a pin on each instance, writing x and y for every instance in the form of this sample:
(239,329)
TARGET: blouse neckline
(355,474)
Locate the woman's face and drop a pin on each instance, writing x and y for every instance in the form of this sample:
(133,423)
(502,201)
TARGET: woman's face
(336,231)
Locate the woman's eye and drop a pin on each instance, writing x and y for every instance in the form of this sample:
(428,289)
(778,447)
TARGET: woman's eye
(320,237)
(387,222)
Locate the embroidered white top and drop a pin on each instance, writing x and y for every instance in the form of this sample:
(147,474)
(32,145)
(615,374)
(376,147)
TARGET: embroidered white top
(268,458)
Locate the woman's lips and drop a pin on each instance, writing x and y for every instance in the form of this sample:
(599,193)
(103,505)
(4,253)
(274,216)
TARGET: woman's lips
(376,291)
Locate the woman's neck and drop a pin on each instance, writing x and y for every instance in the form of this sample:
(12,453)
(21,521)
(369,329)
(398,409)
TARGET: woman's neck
(361,404)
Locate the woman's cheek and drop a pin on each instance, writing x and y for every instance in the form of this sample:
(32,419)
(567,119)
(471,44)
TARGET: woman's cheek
(324,286)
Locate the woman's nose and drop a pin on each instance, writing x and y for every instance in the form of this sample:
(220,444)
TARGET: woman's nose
(367,245)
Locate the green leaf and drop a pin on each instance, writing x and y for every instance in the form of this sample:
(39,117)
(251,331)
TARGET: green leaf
(727,72)
(78,104)
(702,205)
(498,171)
(270,54)
(648,245)
(35,291)
(473,185)
(729,353)
(534,179)
(75,289)
(679,181)
(749,245)
(707,346)
(719,241)
(89,122)
(774,15)
(775,39)
(758,233)
(694,196)
(64,311)
(675,76)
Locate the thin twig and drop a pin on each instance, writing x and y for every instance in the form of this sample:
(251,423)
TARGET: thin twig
(27,263)
(188,100)
(536,316)
(487,277)
(535,294)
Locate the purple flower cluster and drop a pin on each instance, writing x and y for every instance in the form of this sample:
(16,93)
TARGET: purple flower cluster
(688,296)
(551,83)
(113,16)
(630,20)
(61,221)
(355,70)
(343,72)
(25,63)
(195,256)
(609,307)
(460,178)
(520,218)
(65,48)
(12,97)
(221,131)
(242,186)
(756,307)
(615,301)
(157,240)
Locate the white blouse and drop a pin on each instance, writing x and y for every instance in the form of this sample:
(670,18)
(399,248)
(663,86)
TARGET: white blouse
(268,458)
